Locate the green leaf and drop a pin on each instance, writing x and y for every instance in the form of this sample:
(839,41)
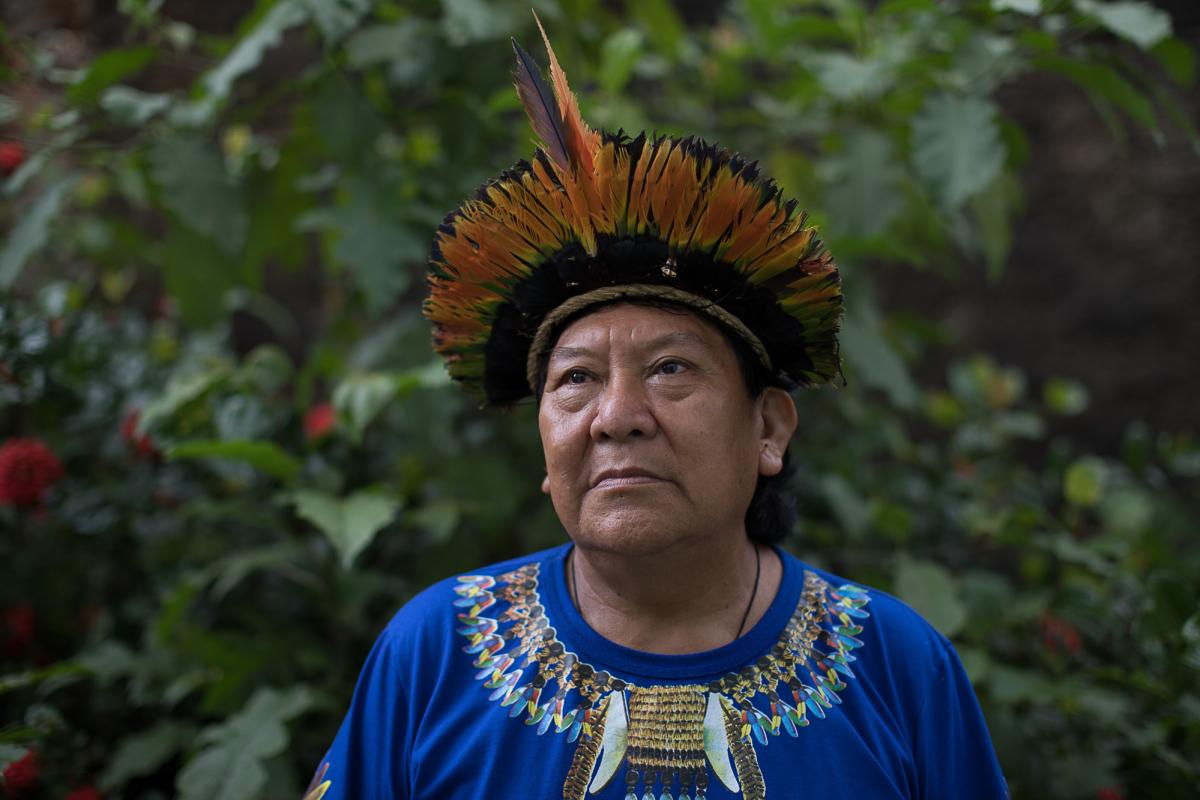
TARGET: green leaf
(108,661)
(266,457)
(893,520)
(956,146)
(1030,7)
(1084,481)
(845,77)
(976,663)
(32,231)
(863,197)
(1137,22)
(131,107)
(245,56)
(180,390)
(195,185)
(379,44)
(407,47)
(439,520)
(983,62)
(618,56)
(12,738)
(468,21)
(1178,59)
(108,68)
(991,210)
(930,589)
(360,398)
(37,162)
(1191,657)
(849,508)
(336,18)
(661,22)
(378,248)
(874,361)
(22,680)
(350,128)
(1126,512)
(1085,554)
(1010,685)
(1107,83)
(349,523)
(241,418)
(144,753)
(1022,424)
(230,765)
(9,109)
(198,276)
(233,569)
(1065,396)
(944,409)
(267,368)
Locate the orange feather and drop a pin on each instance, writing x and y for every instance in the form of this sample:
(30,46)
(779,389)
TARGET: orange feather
(582,141)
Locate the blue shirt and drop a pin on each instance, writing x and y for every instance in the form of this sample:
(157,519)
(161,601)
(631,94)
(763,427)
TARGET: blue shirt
(491,686)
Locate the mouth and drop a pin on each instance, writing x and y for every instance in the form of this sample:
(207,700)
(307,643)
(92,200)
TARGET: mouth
(624,478)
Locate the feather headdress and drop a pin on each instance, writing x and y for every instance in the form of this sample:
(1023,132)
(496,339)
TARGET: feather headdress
(595,217)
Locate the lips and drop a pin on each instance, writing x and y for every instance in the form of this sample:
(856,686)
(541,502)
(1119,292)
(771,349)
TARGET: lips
(628,476)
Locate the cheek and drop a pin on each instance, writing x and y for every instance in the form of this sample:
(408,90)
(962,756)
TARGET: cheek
(560,446)
(732,457)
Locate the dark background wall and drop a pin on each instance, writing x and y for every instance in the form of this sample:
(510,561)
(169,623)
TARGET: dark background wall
(1103,282)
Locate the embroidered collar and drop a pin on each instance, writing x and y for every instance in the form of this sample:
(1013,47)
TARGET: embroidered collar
(666,736)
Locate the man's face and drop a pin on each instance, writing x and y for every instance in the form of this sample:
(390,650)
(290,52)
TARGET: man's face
(650,436)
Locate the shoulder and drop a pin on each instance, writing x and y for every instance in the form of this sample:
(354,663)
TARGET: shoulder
(427,618)
(911,680)
(899,647)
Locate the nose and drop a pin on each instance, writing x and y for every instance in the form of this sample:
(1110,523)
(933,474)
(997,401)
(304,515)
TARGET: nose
(623,409)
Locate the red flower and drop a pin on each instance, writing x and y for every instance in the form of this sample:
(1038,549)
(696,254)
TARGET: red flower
(143,444)
(27,469)
(85,792)
(17,626)
(319,421)
(1058,635)
(12,155)
(1109,793)
(22,774)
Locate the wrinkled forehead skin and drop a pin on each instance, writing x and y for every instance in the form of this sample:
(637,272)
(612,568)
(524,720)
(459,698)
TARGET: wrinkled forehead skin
(750,370)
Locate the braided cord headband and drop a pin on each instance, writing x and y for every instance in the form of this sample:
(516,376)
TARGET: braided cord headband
(608,294)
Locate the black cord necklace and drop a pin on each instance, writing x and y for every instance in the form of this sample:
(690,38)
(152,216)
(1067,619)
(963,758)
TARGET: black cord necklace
(574,582)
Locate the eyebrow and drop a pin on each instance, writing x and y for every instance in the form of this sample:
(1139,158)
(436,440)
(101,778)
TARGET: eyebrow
(666,340)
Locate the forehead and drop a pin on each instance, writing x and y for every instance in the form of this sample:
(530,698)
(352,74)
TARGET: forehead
(634,325)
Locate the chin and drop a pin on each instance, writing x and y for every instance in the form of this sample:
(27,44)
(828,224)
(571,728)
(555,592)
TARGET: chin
(630,532)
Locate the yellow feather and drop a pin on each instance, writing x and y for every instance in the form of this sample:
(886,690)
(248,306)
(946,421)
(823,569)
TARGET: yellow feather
(582,141)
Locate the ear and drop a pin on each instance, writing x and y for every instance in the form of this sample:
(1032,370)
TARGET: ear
(546,485)
(778,424)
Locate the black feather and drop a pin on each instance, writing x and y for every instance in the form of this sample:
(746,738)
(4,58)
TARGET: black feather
(539,104)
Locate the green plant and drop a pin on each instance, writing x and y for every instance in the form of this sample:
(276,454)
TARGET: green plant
(193,272)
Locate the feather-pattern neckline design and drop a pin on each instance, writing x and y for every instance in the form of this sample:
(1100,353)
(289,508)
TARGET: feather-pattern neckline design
(672,738)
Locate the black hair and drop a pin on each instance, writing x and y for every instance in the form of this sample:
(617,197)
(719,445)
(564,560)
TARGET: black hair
(771,514)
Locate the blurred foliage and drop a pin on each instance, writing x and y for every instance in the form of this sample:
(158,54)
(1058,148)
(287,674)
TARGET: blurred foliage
(238,519)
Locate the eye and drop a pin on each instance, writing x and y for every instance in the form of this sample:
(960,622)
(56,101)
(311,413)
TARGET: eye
(575,376)
(671,367)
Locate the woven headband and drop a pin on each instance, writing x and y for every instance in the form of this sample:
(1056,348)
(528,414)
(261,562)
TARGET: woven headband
(594,217)
(608,294)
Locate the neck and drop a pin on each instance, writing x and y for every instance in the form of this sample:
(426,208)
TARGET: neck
(684,600)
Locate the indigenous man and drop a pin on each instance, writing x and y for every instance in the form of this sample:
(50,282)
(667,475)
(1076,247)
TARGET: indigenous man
(658,299)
